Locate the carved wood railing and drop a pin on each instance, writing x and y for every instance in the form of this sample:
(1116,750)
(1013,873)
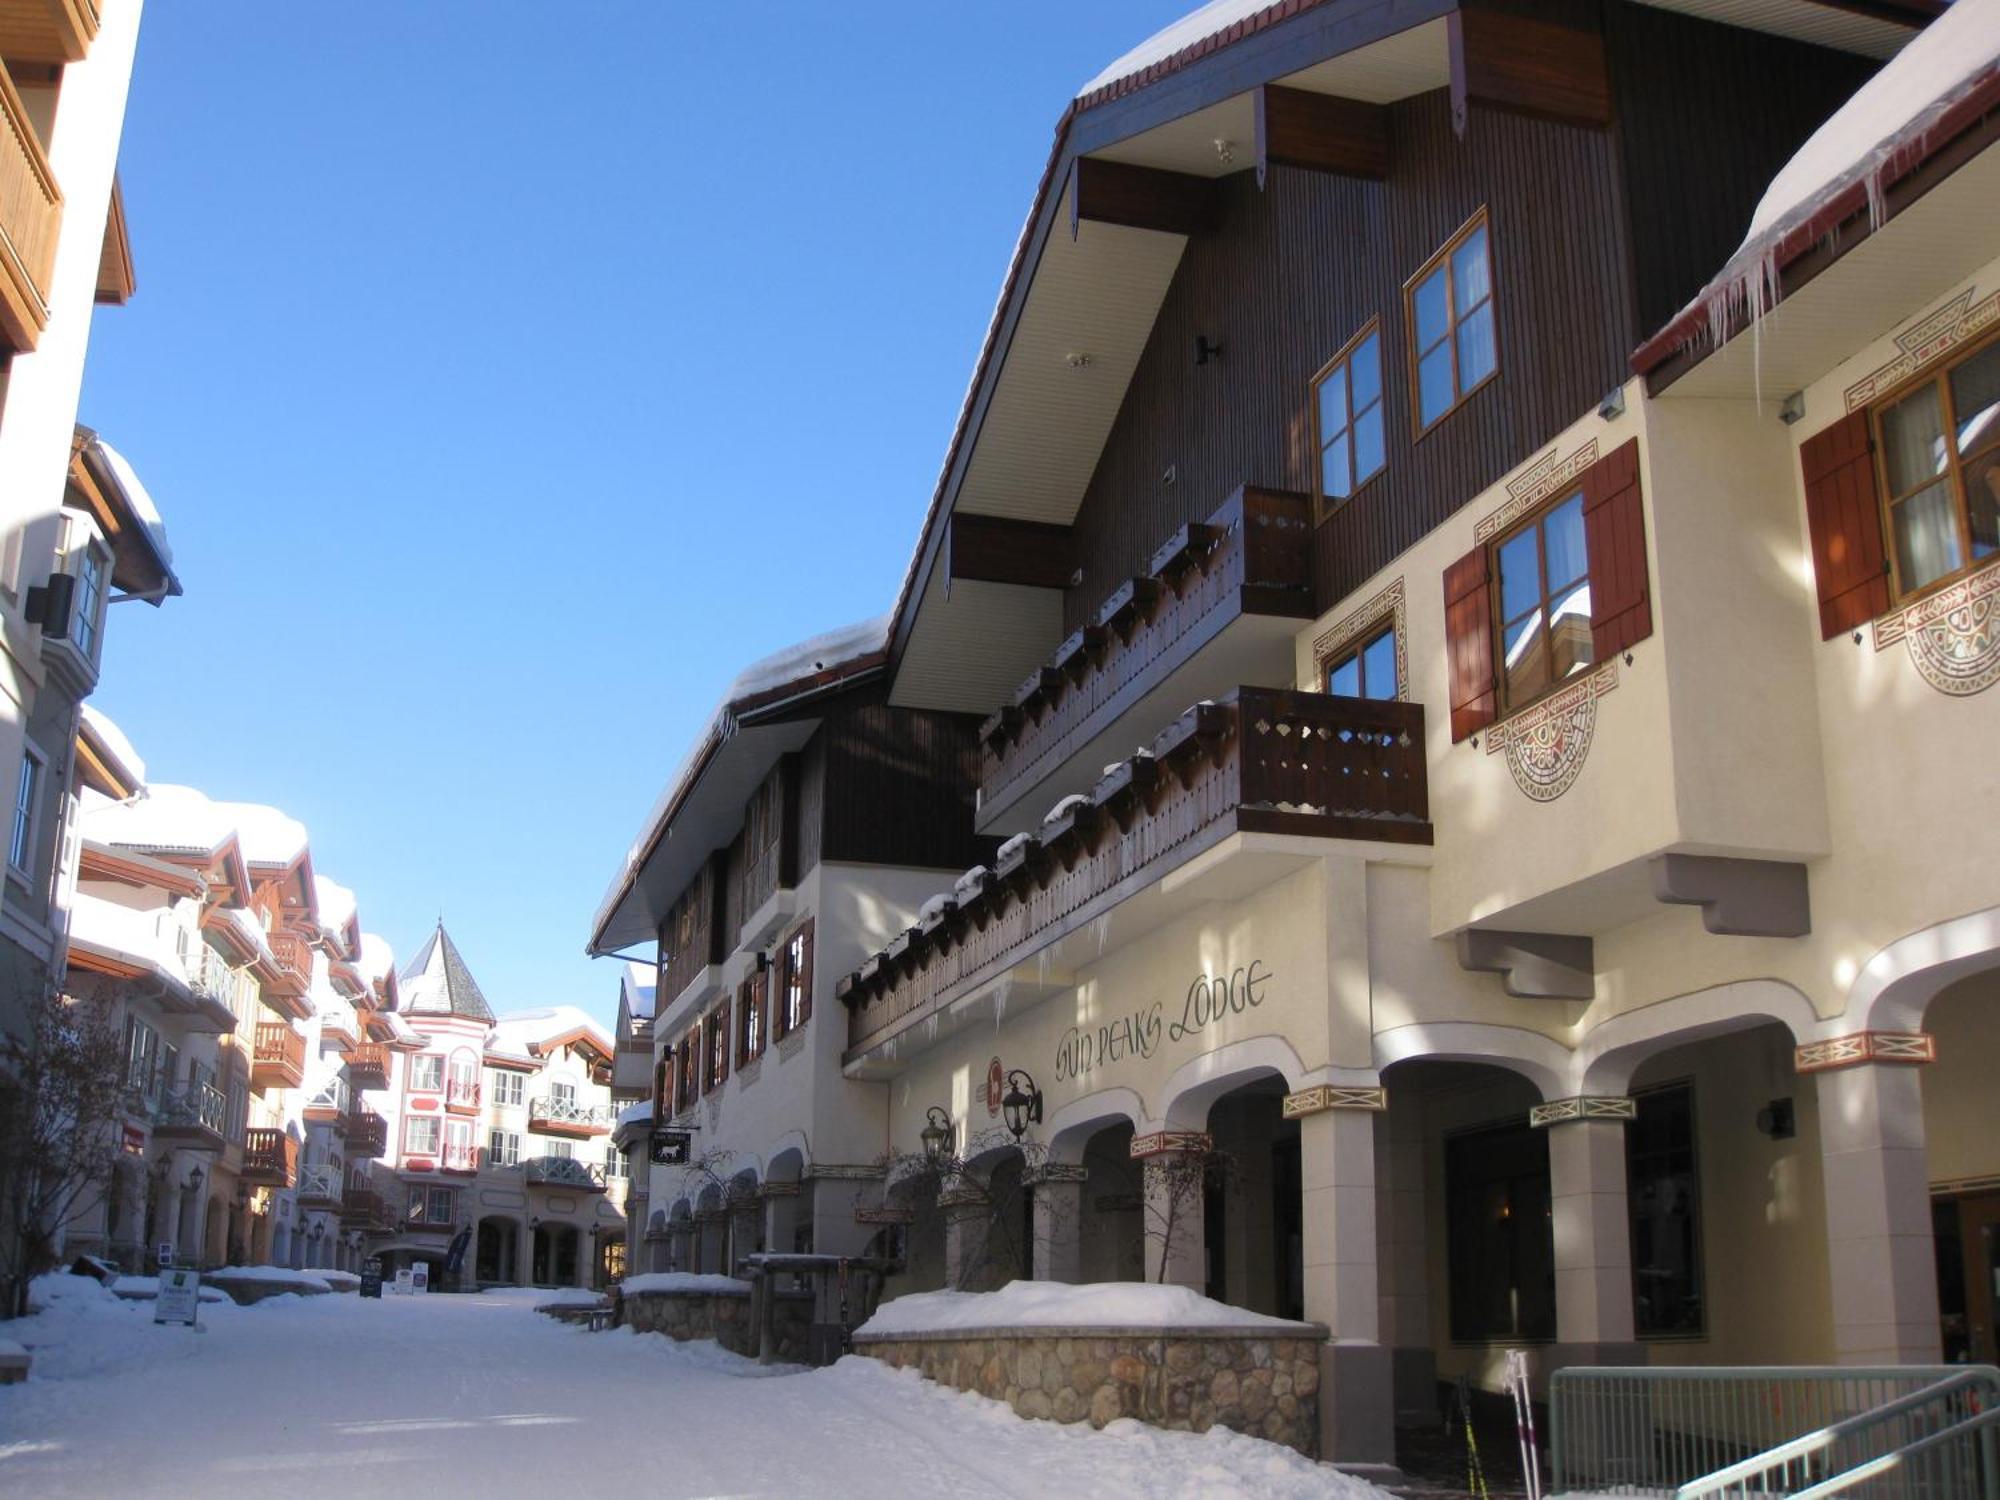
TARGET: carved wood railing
(1262,760)
(30,220)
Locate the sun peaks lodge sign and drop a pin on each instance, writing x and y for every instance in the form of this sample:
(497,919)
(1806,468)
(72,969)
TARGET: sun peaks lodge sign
(1084,1050)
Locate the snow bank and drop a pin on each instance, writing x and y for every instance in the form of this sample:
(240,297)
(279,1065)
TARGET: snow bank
(1058,1304)
(283,1274)
(339,1279)
(681,1281)
(568,1296)
(145,1288)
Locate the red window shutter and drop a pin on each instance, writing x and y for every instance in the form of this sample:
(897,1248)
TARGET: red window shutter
(1468,635)
(1844,518)
(1614,534)
(805,973)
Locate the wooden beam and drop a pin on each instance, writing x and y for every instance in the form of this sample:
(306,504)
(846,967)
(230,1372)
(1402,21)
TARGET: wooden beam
(1115,192)
(1321,133)
(994,549)
(1912,13)
(1541,69)
(115,282)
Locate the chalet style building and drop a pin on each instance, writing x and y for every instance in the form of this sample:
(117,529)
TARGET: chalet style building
(498,1127)
(1480,678)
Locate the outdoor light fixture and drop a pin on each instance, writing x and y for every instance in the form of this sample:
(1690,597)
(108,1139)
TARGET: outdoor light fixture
(1204,350)
(194,1180)
(937,1133)
(1022,1105)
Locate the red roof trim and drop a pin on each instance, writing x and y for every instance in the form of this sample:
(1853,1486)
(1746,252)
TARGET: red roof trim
(1194,52)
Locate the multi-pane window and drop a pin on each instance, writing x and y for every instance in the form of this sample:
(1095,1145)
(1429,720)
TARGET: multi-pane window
(21,840)
(1543,576)
(795,982)
(1940,446)
(1347,405)
(427,1073)
(142,1055)
(565,1149)
(1367,670)
(562,1095)
(503,1148)
(1662,1185)
(689,1081)
(1450,312)
(750,1017)
(421,1135)
(714,1037)
(431,1205)
(614,1164)
(504,1087)
(89,601)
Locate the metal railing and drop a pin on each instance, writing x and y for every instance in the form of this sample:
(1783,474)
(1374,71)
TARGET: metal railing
(198,1106)
(561,1111)
(563,1171)
(331,1095)
(320,1183)
(1960,1461)
(1867,1439)
(1647,1430)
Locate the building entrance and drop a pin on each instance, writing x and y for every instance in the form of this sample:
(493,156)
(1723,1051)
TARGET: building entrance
(1968,1256)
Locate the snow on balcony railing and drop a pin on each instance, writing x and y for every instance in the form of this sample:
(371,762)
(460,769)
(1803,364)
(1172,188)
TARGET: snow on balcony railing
(567,1111)
(331,1095)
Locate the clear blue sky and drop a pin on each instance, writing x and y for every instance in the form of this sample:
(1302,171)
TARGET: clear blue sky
(509,374)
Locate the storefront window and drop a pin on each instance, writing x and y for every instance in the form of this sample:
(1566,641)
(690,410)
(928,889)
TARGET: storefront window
(1502,1250)
(1662,1188)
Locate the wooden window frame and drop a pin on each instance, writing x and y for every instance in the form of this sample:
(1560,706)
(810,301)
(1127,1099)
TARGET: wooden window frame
(1506,707)
(1356,646)
(1323,504)
(783,1023)
(1937,373)
(1441,257)
(715,1050)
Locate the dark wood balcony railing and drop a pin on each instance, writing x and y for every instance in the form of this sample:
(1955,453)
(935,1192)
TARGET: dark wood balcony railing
(368,1065)
(294,967)
(279,1061)
(31,207)
(367,1134)
(1250,558)
(1262,760)
(271,1157)
(364,1207)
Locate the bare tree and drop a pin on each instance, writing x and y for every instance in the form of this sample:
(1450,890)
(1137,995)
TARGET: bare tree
(1007,1245)
(1175,1185)
(58,1131)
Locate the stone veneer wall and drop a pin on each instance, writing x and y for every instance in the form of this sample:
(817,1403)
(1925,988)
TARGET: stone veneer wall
(719,1315)
(1259,1381)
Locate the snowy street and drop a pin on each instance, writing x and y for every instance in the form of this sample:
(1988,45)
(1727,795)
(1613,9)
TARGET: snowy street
(480,1395)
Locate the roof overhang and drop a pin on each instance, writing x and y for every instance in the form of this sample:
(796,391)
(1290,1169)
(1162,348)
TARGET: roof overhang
(140,566)
(104,862)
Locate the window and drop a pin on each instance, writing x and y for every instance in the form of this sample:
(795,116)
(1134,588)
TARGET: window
(562,1095)
(505,1087)
(458,1146)
(239,1110)
(795,982)
(431,1205)
(1449,308)
(426,1074)
(1662,1189)
(89,602)
(503,1148)
(689,1076)
(142,1056)
(565,1149)
(1347,415)
(1543,572)
(1367,670)
(1501,1250)
(715,1036)
(750,1022)
(420,1135)
(1940,447)
(27,788)
(614,1164)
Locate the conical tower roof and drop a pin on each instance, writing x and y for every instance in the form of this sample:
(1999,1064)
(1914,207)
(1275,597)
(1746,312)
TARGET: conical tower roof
(437,982)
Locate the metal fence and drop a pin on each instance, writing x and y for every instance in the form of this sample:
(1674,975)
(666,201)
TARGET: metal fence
(1646,1430)
(1959,1463)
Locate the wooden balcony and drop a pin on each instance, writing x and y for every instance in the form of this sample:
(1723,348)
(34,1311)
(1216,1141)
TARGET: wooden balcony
(279,1061)
(320,1186)
(461,1096)
(1219,605)
(294,967)
(47,31)
(1260,761)
(194,1118)
(270,1157)
(368,1066)
(30,220)
(329,1105)
(367,1134)
(364,1208)
(569,1118)
(462,1160)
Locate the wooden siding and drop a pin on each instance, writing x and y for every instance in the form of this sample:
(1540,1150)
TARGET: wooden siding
(1708,114)
(1290,275)
(901,783)
(812,802)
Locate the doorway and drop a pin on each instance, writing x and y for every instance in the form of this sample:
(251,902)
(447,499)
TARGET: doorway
(1968,1271)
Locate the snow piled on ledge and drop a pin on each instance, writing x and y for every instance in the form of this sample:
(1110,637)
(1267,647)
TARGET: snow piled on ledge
(1058,1304)
(680,1281)
(1195,26)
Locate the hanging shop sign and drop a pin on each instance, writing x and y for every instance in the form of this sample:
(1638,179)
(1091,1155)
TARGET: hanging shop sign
(671,1148)
(1084,1050)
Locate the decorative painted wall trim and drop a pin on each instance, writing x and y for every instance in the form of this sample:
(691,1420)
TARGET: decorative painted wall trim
(1325,1096)
(1055,1171)
(1930,338)
(1385,608)
(778,1190)
(885,1216)
(1584,1107)
(962,1194)
(1953,635)
(836,1172)
(1534,484)
(1167,1142)
(1860,1047)
(1545,744)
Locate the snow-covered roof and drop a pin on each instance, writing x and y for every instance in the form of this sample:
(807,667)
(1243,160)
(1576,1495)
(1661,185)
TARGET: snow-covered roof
(143,509)
(760,685)
(636,989)
(1199,30)
(437,982)
(336,905)
(185,819)
(245,921)
(378,959)
(518,1032)
(635,1114)
(127,931)
(115,744)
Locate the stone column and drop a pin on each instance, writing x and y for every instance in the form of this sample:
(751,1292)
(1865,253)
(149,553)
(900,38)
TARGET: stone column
(1337,1128)
(711,1229)
(780,1203)
(524,1254)
(967,1220)
(746,1223)
(1170,1168)
(1402,1260)
(586,1256)
(1878,1218)
(1591,1227)
(1058,1201)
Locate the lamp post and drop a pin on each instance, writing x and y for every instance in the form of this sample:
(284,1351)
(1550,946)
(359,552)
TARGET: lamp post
(1022,1105)
(937,1134)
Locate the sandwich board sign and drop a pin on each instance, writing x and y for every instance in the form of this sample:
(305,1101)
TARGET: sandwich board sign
(403,1280)
(371,1277)
(420,1277)
(179,1297)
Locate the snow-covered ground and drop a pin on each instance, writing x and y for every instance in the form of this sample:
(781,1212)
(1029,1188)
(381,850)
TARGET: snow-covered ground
(480,1396)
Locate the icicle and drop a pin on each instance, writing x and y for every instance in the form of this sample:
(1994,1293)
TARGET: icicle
(1100,925)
